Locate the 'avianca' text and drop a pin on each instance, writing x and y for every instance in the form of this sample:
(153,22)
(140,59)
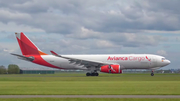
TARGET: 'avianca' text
(130,58)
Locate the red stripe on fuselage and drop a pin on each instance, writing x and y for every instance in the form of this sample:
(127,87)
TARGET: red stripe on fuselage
(39,60)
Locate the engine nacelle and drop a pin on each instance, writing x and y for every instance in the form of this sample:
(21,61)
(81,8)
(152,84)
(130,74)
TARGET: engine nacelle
(114,69)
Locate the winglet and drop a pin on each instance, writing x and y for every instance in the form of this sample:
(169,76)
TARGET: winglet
(53,53)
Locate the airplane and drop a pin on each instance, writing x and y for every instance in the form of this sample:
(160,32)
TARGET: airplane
(107,63)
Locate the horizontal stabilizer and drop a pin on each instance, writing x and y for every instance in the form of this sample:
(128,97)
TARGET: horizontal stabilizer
(23,57)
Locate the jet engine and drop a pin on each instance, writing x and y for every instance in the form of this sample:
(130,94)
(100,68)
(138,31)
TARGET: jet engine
(114,69)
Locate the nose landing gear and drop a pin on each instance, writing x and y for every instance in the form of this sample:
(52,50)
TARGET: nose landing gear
(152,73)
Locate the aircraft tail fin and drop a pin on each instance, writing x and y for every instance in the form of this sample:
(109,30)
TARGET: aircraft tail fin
(27,46)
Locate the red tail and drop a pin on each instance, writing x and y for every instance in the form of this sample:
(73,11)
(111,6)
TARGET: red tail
(27,46)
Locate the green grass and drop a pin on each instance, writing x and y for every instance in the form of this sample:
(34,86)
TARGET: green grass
(86,99)
(105,84)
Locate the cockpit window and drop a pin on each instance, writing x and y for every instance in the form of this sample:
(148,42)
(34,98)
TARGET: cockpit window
(163,58)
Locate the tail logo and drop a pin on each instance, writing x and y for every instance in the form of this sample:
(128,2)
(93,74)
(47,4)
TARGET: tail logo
(27,46)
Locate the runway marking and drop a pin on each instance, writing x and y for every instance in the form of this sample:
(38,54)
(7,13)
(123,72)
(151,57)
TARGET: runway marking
(89,96)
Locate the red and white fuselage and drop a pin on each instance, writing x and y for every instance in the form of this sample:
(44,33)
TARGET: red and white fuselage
(127,61)
(110,63)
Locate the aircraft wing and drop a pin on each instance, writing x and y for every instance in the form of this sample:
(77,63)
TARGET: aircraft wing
(86,63)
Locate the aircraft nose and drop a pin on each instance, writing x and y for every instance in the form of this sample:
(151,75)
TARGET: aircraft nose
(165,63)
(168,62)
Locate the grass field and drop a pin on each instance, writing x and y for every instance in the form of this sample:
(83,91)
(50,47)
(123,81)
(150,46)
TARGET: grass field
(105,84)
(86,99)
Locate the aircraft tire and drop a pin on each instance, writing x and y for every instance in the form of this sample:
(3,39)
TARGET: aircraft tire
(88,74)
(96,74)
(152,74)
(93,74)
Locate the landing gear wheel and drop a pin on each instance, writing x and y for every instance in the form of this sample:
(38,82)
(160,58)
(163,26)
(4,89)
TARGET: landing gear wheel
(88,74)
(92,74)
(96,74)
(152,74)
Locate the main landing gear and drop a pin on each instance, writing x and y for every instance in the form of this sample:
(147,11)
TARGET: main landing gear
(92,74)
(152,73)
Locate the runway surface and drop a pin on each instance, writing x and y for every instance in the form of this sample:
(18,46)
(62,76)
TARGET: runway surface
(89,96)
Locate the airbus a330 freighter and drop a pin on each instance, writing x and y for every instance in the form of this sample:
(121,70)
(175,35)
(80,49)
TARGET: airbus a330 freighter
(107,63)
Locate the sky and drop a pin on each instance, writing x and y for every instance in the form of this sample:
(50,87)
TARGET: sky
(91,27)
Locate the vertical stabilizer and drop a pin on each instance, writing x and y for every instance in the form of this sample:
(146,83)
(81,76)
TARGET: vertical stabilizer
(27,46)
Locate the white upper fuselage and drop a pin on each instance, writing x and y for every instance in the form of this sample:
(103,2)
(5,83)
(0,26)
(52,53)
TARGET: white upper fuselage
(126,61)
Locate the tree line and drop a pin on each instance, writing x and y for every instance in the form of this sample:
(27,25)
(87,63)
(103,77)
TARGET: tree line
(12,69)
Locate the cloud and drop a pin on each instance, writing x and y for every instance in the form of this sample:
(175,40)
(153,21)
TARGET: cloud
(67,17)
(162,52)
(118,39)
(13,27)
(103,26)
